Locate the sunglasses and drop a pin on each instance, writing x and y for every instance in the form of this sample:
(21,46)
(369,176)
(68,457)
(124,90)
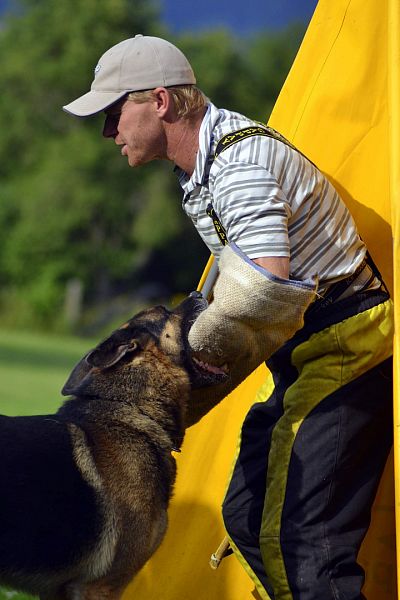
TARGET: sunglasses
(110,128)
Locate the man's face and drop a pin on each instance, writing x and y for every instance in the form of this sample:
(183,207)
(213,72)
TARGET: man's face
(137,129)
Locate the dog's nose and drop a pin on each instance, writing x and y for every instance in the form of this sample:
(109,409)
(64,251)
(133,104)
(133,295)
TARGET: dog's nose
(195,294)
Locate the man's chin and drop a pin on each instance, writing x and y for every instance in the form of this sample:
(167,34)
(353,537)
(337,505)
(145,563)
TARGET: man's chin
(134,162)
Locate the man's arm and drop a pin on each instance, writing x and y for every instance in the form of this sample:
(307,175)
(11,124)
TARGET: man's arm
(252,309)
(253,313)
(276,265)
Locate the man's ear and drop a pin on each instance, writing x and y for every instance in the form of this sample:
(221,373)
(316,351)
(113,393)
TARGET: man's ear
(163,101)
(105,355)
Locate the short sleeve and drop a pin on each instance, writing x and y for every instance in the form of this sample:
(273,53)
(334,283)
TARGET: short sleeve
(253,209)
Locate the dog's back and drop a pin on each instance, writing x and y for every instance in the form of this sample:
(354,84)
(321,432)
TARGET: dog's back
(75,501)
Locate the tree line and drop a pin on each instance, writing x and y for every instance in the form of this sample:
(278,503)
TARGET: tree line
(83,236)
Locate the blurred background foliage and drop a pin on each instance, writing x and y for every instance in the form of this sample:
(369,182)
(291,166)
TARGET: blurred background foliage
(85,239)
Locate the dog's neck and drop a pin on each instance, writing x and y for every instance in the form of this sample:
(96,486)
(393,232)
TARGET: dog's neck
(166,422)
(175,437)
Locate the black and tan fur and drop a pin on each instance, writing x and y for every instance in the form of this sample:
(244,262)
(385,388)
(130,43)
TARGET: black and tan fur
(84,492)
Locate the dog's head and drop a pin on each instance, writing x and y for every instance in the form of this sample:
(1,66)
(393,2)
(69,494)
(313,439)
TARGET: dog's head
(151,345)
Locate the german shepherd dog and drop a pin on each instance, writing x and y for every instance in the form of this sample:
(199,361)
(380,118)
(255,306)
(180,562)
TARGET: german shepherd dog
(85,491)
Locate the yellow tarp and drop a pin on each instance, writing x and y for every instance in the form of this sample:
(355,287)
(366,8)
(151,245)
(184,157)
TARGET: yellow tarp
(340,105)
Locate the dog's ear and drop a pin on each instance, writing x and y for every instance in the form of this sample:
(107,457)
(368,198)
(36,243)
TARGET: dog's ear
(105,355)
(74,381)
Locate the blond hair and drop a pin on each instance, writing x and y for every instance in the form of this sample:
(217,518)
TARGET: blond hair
(187,99)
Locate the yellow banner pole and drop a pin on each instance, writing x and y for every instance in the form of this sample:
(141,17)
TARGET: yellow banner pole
(208,277)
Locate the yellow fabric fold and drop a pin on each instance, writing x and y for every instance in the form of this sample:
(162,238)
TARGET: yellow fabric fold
(340,105)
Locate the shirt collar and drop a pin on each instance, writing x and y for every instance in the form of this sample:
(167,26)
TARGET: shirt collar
(202,158)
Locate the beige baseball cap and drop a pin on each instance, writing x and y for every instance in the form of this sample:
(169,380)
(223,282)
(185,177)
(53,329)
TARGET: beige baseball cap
(139,63)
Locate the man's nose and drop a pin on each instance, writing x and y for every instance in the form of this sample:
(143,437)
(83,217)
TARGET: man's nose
(110,129)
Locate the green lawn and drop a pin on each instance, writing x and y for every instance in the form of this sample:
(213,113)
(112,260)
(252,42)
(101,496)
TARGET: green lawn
(33,369)
(10,595)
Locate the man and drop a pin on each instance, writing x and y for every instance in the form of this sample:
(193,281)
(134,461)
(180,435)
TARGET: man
(297,289)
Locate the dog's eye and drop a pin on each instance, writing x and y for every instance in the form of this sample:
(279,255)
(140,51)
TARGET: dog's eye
(167,335)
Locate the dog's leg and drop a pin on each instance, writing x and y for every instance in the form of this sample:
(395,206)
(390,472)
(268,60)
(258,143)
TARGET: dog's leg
(101,591)
(60,594)
(91,591)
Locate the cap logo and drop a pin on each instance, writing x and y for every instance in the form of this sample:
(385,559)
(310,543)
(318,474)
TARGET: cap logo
(97,68)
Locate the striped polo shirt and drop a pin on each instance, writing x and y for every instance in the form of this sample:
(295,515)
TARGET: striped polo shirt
(271,201)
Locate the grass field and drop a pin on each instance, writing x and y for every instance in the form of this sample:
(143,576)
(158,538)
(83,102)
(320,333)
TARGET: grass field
(33,369)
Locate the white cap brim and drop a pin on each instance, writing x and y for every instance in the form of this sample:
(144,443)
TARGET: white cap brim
(93,102)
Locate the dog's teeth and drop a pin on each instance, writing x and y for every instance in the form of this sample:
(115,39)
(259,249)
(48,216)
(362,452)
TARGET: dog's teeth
(211,368)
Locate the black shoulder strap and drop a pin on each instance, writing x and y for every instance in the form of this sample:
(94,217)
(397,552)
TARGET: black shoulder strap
(219,228)
(226,142)
(241,134)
